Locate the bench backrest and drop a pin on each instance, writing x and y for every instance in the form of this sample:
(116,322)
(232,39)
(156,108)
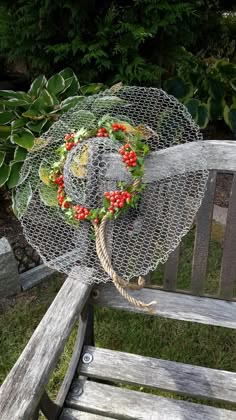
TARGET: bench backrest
(21,391)
(227,277)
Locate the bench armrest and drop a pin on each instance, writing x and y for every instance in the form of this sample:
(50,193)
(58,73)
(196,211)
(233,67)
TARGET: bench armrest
(22,389)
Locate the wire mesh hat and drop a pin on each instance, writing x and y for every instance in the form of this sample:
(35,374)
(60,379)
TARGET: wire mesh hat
(173,185)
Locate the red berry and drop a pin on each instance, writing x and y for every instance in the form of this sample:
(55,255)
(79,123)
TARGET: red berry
(66,205)
(105,135)
(76,216)
(112,211)
(134,164)
(69,145)
(96,220)
(67,137)
(100,134)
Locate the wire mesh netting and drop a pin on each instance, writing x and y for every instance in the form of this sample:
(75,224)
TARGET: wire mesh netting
(143,237)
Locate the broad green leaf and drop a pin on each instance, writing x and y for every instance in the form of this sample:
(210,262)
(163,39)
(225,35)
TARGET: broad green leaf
(68,83)
(92,88)
(24,139)
(4,174)
(35,126)
(5,129)
(216,107)
(43,103)
(11,94)
(178,88)
(2,157)
(202,118)
(73,87)
(71,102)
(33,115)
(192,107)
(67,73)
(233,84)
(55,84)
(4,135)
(44,172)
(48,195)
(230,117)
(13,102)
(227,69)
(55,100)
(20,154)
(46,127)
(6,117)
(17,123)
(37,86)
(221,62)
(107,102)
(21,199)
(14,175)
(215,88)
(226,114)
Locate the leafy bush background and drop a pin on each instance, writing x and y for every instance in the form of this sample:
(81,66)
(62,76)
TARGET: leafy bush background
(135,41)
(178,45)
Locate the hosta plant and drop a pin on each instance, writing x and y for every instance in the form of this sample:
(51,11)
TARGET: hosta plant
(208,89)
(24,116)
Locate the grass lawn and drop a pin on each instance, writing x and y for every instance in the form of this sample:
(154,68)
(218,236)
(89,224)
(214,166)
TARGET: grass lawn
(168,339)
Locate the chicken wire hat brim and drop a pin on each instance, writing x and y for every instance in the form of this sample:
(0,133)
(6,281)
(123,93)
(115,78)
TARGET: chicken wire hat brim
(143,237)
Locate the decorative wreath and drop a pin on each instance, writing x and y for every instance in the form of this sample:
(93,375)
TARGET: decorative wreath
(116,163)
(133,150)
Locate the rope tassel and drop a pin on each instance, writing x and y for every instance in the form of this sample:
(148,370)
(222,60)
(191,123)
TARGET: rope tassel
(119,283)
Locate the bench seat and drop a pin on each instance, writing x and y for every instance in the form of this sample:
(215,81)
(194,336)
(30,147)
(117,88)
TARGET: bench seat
(102,372)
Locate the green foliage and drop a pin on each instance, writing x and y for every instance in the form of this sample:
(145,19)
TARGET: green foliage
(207,88)
(24,116)
(108,41)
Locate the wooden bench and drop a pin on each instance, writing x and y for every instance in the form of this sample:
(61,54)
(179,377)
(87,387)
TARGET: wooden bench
(89,390)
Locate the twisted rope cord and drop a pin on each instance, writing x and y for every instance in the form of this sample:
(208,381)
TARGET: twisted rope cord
(105,260)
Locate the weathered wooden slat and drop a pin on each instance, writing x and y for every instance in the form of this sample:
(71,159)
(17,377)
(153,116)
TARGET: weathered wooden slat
(69,414)
(35,276)
(181,378)
(171,270)
(202,237)
(220,155)
(61,396)
(121,403)
(21,391)
(171,305)
(228,268)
